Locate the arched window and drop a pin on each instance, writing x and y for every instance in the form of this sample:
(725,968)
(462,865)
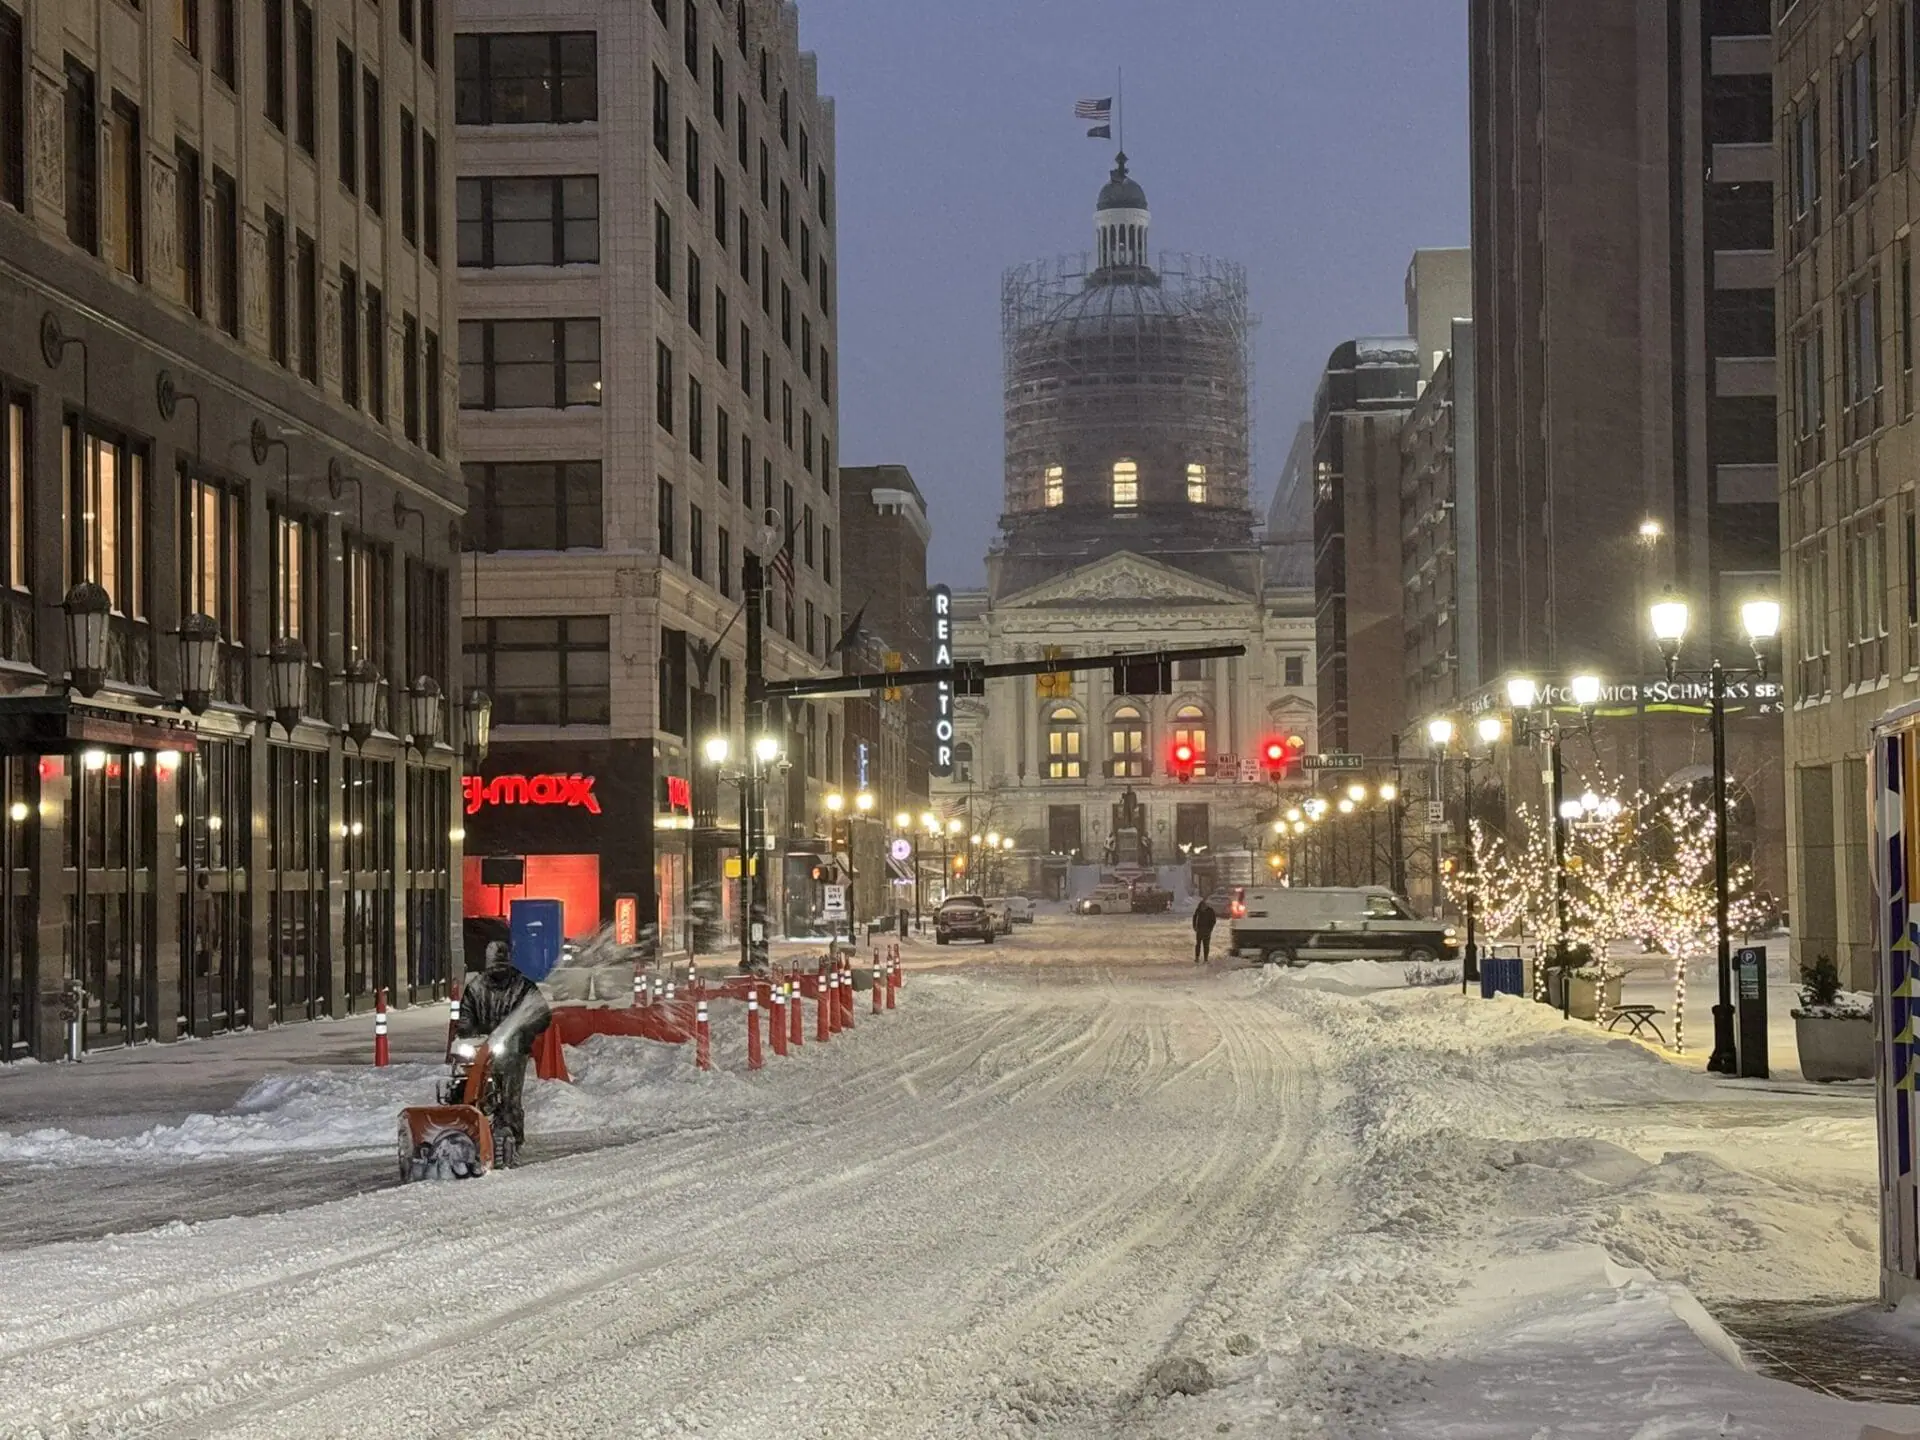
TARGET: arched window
(1126,485)
(1196,484)
(1127,744)
(1056,493)
(963,762)
(1065,746)
(1190,728)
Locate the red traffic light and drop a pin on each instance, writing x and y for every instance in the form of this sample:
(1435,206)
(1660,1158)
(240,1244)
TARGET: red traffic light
(1276,752)
(1277,755)
(1183,754)
(1183,758)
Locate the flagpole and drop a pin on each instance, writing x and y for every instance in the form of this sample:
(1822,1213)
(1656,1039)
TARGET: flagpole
(1120,106)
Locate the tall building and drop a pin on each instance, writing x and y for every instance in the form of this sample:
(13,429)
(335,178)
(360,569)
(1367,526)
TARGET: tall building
(889,743)
(1623,323)
(228,517)
(648,369)
(1126,526)
(1847,84)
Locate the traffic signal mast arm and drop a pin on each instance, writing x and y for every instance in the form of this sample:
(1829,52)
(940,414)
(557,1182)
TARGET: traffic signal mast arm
(963,673)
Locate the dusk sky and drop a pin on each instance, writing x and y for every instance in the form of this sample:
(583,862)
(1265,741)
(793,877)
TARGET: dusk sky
(1317,142)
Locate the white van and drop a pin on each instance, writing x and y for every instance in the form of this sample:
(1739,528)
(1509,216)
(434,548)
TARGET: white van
(1285,925)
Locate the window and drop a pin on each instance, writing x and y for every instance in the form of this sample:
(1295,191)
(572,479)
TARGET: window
(1054,486)
(306,280)
(1866,597)
(1812,680)
(82,158)
(349,336)
(529,364)
(429,33)
(786,316)
(1860,359)
(377,354)
(188,237)
(806,440)
(107,499)
(766,390)
(1064,758)
(13,110)
(186,25)
(1190,728)
(786,216)
(530,220)
(745,237)
(663,386)
(526,78)
(370,130)
(367,610)
(725,563)
(722,327)
(410,377)
(275,81)
(826,553)
(1740,322)
(696,290)
(126,189)
(304,66)
(534,506)
(786,115)
(1196,484)
(693,166)
(696,420)
(766,283)
(806,533)
(786,411)
(697,542)
(662,250)
(1294,668)
(225,252)
(277,317)
(718,73)
(224,45)
(746,359)
(213,552)
(16,523)
(349,107)
(296,592)
(542,672)
(409,181)
(1906,325)
(740,131)
(431,385)
(1858,119)
(1807,401)
(1740,217)
(662,116)
(763,175)
(1804,174)
(1126,485)
(663,518)
(1127,744)
(690,38)
(430,196)
(723,447)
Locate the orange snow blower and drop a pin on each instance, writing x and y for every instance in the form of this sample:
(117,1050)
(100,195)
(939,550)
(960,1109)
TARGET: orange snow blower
(465,1134)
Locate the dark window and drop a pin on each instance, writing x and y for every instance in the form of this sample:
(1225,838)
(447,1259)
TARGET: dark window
(377,355)
(430,383)
(126,189)
(786,215)
(663,386)
(529,364)
(534,506)
(786,414)
(429,32)
(349,336)
(410,377)
(1741,429)
(532,78)
(304,65)
(660,9)
(746,359)
(306,277)
(225,253)
(723,447)
(740,28)
(406,20)
(763,175)
(274,84)
(696,290)
(1740,322)
(720,210)
(690,37)
(1739,109)
(13,111)
(786,315)
(83,159)
(530,220)
(662,116)
(409,181)
(663,514)
(693,165)
(349,100)
(662,250)
(430,196)
(370,128)
(740,131)
(723,563)
(224,43)
(806,536)
(746,247)
(189,239)
(696,420)
(542,672)
(766,389)
(719,78)
(826,553)
(1736,17)
(697,542)
(1740,217)
(786,118)
(1294,670)
(721,326)
(277,286)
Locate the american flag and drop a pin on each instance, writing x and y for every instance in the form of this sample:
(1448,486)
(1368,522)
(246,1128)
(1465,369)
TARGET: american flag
(1094,109)
(783,563)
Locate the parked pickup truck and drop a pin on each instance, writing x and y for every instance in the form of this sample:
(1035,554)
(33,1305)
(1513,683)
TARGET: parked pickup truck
(1286,925)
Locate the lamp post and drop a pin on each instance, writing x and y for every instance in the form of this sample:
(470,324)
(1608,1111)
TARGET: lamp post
(1523,694)
(1440,733)
(1761,619)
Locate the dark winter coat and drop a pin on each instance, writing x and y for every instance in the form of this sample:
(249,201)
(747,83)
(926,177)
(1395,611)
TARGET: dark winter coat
(491,996)
(1203,918)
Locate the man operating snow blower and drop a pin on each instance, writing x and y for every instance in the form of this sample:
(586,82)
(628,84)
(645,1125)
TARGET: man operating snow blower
(504,1004)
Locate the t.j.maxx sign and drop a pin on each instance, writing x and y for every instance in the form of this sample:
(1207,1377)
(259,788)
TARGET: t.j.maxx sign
(558,790)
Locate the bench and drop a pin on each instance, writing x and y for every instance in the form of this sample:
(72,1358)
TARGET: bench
(1640,1017)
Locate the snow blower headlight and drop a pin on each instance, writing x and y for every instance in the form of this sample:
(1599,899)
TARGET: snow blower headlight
(465,1049)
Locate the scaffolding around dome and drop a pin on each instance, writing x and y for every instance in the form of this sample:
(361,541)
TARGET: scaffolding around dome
(1151,365)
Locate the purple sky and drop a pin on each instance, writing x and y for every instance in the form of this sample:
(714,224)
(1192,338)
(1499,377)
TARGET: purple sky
(1317,142)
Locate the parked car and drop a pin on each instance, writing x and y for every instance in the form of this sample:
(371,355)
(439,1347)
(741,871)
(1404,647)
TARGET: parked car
(1105,900)
(1001,915)
(963,917)
(1020,909)
(1283,925)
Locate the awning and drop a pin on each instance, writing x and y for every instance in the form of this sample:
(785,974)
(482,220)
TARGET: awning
(53,724)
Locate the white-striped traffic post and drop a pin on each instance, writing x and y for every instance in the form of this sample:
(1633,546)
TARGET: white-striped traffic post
(702,1038)
(453,1016)
(779,1026)
(380,1055)
(754,1059)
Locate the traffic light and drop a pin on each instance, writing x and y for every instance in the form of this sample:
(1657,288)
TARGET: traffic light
(1278,756)
(892,663)
(1054,684)
(1183,760)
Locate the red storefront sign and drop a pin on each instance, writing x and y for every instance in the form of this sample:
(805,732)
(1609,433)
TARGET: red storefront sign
(626,919)
(570,790)
(679,793)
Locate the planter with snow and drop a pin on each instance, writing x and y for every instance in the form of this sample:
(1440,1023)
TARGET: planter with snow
(1585,1000)
(1832,1028)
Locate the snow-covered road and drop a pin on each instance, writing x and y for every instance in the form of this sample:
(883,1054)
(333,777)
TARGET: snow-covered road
(1062,1181)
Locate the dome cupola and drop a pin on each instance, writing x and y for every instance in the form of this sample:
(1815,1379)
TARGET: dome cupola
(1120,221)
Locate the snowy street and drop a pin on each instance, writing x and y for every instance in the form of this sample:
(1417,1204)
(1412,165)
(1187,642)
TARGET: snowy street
(1071,1188)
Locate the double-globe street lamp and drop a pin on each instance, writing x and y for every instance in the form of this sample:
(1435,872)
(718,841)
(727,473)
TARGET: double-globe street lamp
(1761,620)
(1441,732)
(750,782)
(836,807)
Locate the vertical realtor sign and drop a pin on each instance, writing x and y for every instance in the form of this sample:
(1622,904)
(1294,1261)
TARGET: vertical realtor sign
(943,693)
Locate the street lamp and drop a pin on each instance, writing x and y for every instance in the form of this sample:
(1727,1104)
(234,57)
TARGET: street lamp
(717,749)
(1524,693)
(1761,620)
(1489,729)
(1440,732)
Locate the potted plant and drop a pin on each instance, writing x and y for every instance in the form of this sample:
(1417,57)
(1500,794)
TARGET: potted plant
(1575,966)
(1832,1028)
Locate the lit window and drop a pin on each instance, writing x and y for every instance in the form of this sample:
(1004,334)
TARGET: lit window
(1126,485)
(1063,744)
(1196,484)
(1127,744)
(1190,728)
(1056,486)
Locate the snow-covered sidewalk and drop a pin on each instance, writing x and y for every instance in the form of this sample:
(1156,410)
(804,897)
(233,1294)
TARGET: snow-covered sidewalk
(1073,1188)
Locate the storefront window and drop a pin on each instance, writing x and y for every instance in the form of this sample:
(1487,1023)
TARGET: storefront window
(550,671)
(367,809)
(299,943)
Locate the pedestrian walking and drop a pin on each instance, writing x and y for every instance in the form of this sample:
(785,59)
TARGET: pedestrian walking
(1203,921)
